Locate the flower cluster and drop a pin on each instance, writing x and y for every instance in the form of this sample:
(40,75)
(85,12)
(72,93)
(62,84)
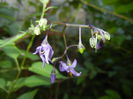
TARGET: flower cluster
(41,26)
(46,52)
(98,38)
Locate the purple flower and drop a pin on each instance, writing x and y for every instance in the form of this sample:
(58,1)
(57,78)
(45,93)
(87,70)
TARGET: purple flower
(45,51)
(53,76)
(99,36)
(69,68)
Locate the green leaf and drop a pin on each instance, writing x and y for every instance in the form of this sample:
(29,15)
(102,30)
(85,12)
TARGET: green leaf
(28,95)
(110,1)
(13,28)
(7,13)
(12,39)
(80,80)
(124,8)
(105,97)
(118,40)
(30,55)
(19,83)
(127,89)
(33,81)
(5,64)
(12,51)
(113,94)
(46,71)
(2,83)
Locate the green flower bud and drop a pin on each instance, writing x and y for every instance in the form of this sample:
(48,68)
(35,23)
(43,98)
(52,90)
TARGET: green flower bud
(81,48)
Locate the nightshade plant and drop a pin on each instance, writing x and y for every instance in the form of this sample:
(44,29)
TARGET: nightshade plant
(46,52)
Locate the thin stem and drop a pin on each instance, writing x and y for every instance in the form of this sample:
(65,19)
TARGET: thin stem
(79,34)
(14,82)
(64,36)
(27,50)
(72,25)
(43,10)
(18,68)
(65,51)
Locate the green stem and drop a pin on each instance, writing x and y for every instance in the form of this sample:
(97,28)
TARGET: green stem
(64,36)
(18,68)
(10,90)
(27,50)
(43,10)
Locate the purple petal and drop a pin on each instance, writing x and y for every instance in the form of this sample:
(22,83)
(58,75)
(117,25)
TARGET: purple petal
(37,50)
(73,64)
(63,66)
(75,73)
(53,77)
(47,56)
(102,34)
(51,53)
(43,59)
(45,41)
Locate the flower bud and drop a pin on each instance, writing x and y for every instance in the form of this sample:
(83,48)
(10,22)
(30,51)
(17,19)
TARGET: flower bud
(44,1)
(81,48)
(53,76)
(37,30)
(31,29)
(43,23)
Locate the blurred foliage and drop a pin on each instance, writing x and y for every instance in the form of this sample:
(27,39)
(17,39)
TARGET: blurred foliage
(106,74)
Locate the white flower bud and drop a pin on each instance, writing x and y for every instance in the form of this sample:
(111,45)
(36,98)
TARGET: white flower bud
(37,30)
(44,1)
(43,23)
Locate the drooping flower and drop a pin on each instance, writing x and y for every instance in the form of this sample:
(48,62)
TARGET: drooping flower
(45,51)
(69,67)
(53,76)
(98,38)
(81,47)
